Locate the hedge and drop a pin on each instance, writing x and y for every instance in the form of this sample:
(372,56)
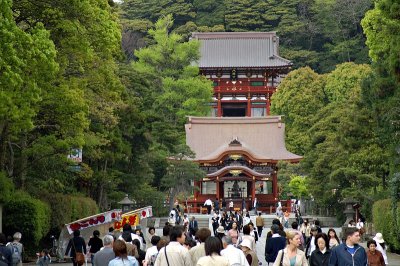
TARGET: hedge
(27,215)
(68,208)
(382,216)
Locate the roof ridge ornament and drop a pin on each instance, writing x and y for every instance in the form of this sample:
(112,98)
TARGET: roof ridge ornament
(235,142)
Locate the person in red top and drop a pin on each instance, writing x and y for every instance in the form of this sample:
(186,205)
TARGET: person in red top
(375,257)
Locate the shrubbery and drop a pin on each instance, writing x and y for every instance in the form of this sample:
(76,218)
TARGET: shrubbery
(382,215)
(27,215)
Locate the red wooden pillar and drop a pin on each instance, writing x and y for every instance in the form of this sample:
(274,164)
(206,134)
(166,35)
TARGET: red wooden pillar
(249,105)
(217,188)
(219,111)
(253,190)
(275,186)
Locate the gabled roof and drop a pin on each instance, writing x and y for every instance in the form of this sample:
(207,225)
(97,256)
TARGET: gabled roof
(263,138)
(240,50)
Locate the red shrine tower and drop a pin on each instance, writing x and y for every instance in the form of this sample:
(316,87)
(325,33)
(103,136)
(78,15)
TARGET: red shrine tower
(240,144)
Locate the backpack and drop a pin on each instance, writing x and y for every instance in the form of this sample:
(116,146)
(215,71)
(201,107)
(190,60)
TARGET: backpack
(16,254)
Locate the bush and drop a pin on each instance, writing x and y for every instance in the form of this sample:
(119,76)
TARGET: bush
(382,216)
(27,215)
(68,208)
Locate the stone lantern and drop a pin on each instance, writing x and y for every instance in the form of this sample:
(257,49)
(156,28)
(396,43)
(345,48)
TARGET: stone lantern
(127,204)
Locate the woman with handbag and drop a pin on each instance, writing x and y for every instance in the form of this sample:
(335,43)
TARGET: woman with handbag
(77,246)
(291,255)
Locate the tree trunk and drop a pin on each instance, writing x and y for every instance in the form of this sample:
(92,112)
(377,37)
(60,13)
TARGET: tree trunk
(23,162)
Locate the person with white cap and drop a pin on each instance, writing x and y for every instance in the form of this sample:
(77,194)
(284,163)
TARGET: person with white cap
(220,232)
(251,256)
(381,246)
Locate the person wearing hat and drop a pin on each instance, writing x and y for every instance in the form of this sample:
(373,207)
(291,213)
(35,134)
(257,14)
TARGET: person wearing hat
(220,232)
(291,255)
(251,256)
(310,245)
(381,246)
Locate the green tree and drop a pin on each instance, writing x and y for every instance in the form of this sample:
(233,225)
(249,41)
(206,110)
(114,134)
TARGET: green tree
(181,171)
(299,97)
(298,187)
(172,88)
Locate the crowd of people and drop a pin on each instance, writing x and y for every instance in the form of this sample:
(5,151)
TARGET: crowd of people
(232,240)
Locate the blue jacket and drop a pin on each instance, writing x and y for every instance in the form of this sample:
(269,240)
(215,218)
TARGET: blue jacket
(341,257)
(272,247)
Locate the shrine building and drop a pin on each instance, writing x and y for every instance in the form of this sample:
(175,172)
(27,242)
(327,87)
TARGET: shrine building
(239,144)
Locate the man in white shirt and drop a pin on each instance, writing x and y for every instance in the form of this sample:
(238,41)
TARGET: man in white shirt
(234,255)
(174,254)
(208,204)
(153,249)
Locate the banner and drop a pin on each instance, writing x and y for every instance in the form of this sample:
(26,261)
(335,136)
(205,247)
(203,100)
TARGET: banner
(133,217)
(102,218)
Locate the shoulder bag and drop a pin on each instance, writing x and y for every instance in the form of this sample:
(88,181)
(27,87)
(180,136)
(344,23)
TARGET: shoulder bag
(79,256)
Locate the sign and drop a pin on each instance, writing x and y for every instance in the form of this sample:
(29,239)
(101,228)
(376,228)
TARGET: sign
(75,155)
(132,219)
(102,218)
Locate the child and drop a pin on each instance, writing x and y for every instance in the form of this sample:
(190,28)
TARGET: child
(43,258)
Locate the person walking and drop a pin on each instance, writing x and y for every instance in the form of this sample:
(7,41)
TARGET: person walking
(381,246)
(310,245)
(320,256)
(213,247)
(291,255)
(105,255)
(259,224)
(246,235)
(273,244)
(95,244)
(349,252)
(43,258)
(250,254)
(305,229)
(193,227)
(234,233)
(76,245)
(5,252)
(234,255)
(208,203)
(174,254)
(375,257)
(16,249)
(199,251)
(333,238)
(121,255)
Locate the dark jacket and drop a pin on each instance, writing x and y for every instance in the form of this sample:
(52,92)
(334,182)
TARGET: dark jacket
(76,244)
(6,253)
(272,247)
(319,259)
(95,244)
(341,257)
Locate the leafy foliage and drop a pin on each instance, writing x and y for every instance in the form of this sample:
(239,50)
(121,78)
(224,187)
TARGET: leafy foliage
(29,216)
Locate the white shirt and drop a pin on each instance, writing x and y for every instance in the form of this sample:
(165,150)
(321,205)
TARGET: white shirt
(231,204)
(150,252)
(360,225)
(312,245)
(134,236)
(208,202)
(234,255)
(383,251)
